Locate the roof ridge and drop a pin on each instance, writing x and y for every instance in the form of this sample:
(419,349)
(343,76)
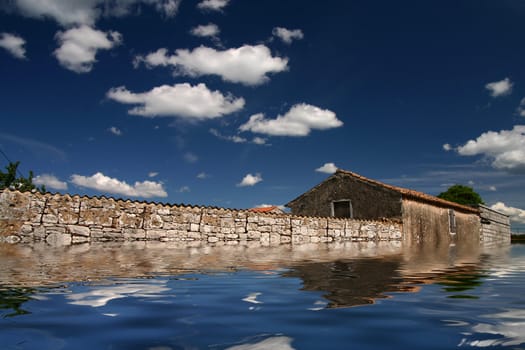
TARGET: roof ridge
(410,193)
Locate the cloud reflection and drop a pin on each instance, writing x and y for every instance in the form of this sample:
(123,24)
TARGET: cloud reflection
(101,295)
(274,343)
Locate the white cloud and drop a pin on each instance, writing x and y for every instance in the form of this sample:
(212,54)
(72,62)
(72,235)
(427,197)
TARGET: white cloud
(202,176)
(288,35)
(237,138)
(184,189)
(79,46)
(500,88)
(247,64)
(516,214)
(190,157)
(505,148)
(250,180)
(14,44)
(208,30)
(179,100)
(521,108)
(50,181)
(212,5)
(298,121)
(153,174)
(492,188)
(168,7)
(259,140)
(76,12)
(327,168)
(115,131)
(447,147)
(103,183)
(233,138)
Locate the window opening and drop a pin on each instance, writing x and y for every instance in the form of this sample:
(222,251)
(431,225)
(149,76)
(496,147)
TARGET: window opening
(342,209)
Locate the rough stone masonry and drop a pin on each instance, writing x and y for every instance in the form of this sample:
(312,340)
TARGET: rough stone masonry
(63,219)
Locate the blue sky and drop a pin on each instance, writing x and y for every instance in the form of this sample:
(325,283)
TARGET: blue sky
(244,103)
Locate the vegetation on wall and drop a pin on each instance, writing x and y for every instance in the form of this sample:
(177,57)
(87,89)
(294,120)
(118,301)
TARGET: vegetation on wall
(9,179)
(462,195)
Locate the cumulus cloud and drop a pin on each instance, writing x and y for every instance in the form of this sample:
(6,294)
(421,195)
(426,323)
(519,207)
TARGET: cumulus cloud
(259,140)
(447,147)
(249,65)
(153,174)
(506,148)
(288,35)
(78,47)
(515,214)
(250,180)
(212,5)
(298,121)
(184,189)
(77,12)
(521,108)
(500,88)
(14,44)
(50,181)
(233,138)
(327,168)
(190,157)
(237,138)
(179,100)
(208,30)
(202,176)
(103,183)
(115,131)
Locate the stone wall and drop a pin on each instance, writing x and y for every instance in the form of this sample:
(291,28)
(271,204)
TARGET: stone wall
(431,224)
(63,219)
(495,226)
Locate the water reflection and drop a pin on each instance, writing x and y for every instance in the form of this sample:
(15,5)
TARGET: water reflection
(340,276)
(353,282)
(350,274)
(11,299)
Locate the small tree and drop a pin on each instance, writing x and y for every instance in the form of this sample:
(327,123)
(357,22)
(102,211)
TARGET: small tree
(10,180)
(462,195)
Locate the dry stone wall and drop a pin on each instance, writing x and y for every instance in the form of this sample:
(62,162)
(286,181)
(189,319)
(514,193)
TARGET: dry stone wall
(63,219)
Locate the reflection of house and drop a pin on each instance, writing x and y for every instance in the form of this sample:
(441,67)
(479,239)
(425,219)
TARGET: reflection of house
(353,282)
(425,217)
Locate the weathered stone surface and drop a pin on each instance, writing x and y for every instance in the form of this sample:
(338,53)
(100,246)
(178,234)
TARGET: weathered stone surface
(53,218)
(58,239)
(153,221)
(78,230)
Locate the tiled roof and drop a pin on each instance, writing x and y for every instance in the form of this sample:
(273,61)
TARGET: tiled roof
(264,209)
(406,193)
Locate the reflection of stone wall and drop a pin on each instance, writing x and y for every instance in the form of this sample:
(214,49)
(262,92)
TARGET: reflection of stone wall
(65,219)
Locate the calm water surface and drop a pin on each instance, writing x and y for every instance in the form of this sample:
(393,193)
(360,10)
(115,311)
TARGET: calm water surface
(346,296)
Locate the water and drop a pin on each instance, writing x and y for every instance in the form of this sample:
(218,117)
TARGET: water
(346,296)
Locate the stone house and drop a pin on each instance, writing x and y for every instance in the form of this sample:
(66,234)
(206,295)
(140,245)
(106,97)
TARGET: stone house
(425,218)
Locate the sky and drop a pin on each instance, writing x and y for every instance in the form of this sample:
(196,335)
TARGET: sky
(240,104)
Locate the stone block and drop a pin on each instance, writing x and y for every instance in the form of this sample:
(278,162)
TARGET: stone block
(153,221)
(77,230)
(155,234)
(58,239)
(49,219)
(79,239)
(134,233)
